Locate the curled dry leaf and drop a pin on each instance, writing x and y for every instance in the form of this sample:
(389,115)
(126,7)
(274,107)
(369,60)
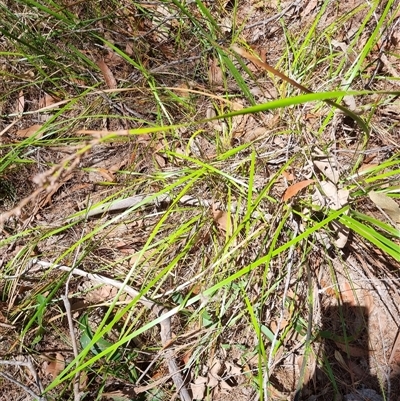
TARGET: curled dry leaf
(294,189)
(214,373)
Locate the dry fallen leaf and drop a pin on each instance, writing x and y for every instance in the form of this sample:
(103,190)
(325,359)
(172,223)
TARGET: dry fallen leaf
(367,166)
(183,90)
(329,169)
(289,176)
(215,75)
(214,373)
(310,7)
(54,189)
(117,395)
(47,101)
(294,189)
(198,388)
(338,198)
(129,49)
(342,234)
(113,59)
(107,74)
(159,160)
(107,174)
(351,350)
(101,294)
(28,132)
(186,357)
(310,365)
(223,220)
(386,203)
(20,103)
(140,257)
(350,102)
(347,294)
(340,359)
(55,366)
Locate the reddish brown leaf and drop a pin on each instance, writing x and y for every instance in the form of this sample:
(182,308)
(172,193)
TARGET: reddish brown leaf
(186,357)
(107,74)
(347,294)
(294,189)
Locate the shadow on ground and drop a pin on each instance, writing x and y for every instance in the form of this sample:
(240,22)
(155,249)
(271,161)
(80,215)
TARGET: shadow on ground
(345,369)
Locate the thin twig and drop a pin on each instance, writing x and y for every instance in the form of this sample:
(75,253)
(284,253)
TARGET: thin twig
(35,375)
(28,364)
(7,326)
(67,304)
(19,384)
(136,201)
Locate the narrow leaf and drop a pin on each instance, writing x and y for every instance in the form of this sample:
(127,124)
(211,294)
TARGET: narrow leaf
(294,189)
(107,74)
